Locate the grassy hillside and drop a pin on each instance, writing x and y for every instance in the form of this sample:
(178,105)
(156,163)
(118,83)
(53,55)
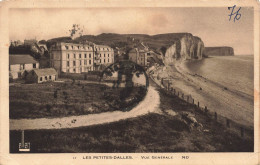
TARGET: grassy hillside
(155,42)
(67,99)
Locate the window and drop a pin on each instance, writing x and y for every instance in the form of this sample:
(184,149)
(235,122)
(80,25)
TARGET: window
(74,55)
(40,78)
(107,49)
(100,54)
(85,55)
(50,77)
(89,61)
(22,67)
(68,56)
(89,55)
(100,60)
(108,54)
(74,63)
(79,62)
(66,47)
(107,60)
(46,78)
(68,63)
(68,70)
(104,55)
(34,65)
(104,60)
(78,47)
(79,55)
(74,70)
(72,47)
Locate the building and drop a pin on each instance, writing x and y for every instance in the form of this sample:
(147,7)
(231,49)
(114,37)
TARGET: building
(103,56)
(41,75)
(18,64)
(30,42)
(78,58)
(138,56)
(16,43)
(43,47)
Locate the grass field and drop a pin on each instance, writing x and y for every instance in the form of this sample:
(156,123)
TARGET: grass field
(66,99)
(149,133)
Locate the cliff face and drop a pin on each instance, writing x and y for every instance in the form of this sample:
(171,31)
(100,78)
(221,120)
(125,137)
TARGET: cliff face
(186,47)
(219,51)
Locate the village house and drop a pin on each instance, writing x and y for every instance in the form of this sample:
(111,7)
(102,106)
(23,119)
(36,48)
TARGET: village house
(18,64)
(138,56)
(41,75)
(78,58)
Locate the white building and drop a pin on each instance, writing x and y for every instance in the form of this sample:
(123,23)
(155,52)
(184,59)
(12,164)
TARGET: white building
(18,64)
(78,58)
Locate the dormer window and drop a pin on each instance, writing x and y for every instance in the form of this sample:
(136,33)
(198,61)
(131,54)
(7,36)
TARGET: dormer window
(72,47)
(66,47)
(108,49)
(78,47)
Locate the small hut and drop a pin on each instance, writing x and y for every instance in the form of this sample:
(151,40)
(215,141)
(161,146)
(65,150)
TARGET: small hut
(41,75)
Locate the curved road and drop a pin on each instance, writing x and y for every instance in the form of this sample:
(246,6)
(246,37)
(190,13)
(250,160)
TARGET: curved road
(150,103)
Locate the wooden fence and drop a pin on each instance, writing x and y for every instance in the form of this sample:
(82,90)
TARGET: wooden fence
(165,85)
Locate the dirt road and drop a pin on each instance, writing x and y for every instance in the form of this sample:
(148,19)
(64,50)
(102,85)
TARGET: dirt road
(150,103)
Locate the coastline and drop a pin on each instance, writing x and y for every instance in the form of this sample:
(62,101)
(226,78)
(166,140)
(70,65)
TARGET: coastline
(230,103)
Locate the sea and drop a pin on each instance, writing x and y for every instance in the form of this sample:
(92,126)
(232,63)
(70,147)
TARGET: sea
(234,72)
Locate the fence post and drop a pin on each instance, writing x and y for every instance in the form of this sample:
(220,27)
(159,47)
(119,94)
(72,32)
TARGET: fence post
(192,101)
(228,123)
(198,104)
(216,116)
(206,109)
(242,131)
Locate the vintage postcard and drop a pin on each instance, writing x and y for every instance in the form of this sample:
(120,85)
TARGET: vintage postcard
(129,82)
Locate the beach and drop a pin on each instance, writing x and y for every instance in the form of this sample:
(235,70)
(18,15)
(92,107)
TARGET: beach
(217,83)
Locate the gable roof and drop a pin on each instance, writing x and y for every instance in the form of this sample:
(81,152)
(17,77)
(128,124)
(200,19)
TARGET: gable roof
(21,59)
(45,71)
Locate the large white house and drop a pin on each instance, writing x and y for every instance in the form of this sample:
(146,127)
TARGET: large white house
(78,58)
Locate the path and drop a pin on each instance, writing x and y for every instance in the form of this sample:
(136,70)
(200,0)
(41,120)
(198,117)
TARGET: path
(150,103)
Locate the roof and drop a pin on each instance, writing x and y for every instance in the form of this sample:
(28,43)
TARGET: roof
(43,45)
(45,71)
(21,59)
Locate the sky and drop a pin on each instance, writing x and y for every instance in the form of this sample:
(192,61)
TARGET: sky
(212,25)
